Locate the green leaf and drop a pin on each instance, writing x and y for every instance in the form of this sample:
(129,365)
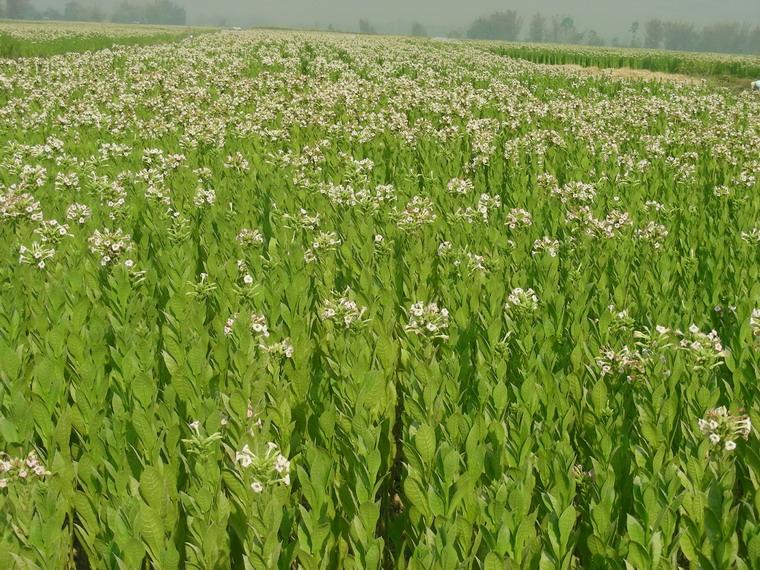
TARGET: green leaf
(635,531)
(152,486)
(492,562)
(151,526)
(416,496)
(599,396)
(8,431)
(425,442)
(566,524)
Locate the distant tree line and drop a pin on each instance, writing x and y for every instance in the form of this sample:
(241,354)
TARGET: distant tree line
(719,37)
(152,12)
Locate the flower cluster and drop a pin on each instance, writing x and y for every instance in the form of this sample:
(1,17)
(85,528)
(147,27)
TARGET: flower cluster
(238,163)
(470,262)
(343,310)
(428,320)
(346,195)
(248,237)
(521,301)
(486,203)
(518,218)
(303,220)
(623,362)
(460,186)
(706,348)
(244,273)
(575,192)
(323,242)
(230,324)
(418,212)
(721,191)
(14,205)
(202,289)
(52,232)
(259,325)
(444,248)
(64,181)
(78,213)
(621,320)
(608,227)
(653,233)
(752,236)
(264,470)
(37,254)
(18,469)
(723,428)
(204,197)
(282,349)
(754,323)
(547,245)
(110,245)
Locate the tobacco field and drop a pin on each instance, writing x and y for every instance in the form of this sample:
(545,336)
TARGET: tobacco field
(278,299)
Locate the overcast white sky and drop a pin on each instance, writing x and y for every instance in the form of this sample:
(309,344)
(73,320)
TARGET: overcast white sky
(608,17)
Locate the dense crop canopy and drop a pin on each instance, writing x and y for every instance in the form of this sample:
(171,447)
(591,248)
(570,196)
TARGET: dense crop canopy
(279,300)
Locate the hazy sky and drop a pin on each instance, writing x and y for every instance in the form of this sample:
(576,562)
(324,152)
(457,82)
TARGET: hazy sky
(608,17)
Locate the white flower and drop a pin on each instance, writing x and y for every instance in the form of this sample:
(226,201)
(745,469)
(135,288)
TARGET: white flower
(248,279)
(715,438)
(282,465)
(257,487)
(244,457)
(730,445)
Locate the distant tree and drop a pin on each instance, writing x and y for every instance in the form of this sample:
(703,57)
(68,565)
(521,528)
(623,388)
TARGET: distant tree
(18,9)
(563,30)
(537,28)
(78,12)
(752,41)
(72,11)
(554,33)
(654,34)
(569,33)
(165,12)
(128,13)
(418,30)
(497,26)
(723,37)
(365,27)
(635,34)
(51,14)
(680,36)
(594,39)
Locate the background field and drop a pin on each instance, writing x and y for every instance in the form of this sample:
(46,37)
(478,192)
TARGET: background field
(41,39)
(300,300)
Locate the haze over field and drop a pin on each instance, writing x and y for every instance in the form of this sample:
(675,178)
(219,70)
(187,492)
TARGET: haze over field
(609,17)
